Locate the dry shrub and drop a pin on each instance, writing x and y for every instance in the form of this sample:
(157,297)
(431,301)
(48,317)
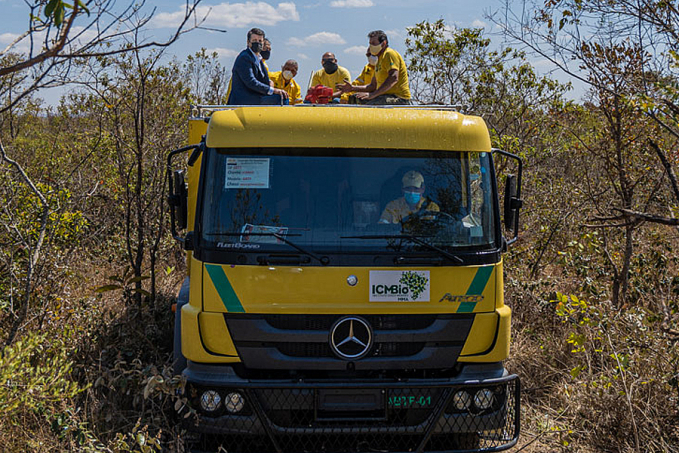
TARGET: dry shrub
(36,389)
(98,377)
(595,378)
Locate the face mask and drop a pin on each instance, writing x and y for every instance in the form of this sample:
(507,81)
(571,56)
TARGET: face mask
(330,67)
(265,54)
(372,59)
(376,49)
(412,197)
(287,75)
(256,46)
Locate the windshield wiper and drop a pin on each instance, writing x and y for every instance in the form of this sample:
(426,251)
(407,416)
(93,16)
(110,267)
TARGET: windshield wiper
(410,238)
(323,259)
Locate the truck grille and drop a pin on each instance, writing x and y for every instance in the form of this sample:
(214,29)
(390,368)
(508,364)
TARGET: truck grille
(302,342)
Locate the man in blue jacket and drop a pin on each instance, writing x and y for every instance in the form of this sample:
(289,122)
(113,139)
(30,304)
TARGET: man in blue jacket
(250,78)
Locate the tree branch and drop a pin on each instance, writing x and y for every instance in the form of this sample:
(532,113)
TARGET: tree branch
(668,168)
(650,217)
(49,53)
(35,255)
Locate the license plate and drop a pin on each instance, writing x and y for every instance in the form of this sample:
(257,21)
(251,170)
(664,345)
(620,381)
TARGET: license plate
(350,400)
(414,399)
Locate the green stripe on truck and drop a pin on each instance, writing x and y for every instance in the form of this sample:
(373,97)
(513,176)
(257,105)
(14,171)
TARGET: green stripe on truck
(224,288)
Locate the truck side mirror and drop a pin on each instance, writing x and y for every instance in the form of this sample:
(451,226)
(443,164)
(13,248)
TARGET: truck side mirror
(180,199)
(178,196)
(512,200)
(510,194)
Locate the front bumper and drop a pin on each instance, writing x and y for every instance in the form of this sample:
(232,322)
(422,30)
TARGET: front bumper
(359,416)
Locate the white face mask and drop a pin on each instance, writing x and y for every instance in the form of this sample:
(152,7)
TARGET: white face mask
(372,59)
(287,75)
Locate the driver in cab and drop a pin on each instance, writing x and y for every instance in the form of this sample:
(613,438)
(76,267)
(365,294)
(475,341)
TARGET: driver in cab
(412,201)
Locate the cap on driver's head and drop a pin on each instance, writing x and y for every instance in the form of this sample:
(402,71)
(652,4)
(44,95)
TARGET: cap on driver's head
(413,179)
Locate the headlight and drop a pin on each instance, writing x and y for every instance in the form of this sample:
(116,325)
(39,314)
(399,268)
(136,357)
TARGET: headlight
(234,402)
(483,399)
(462,400)
(210,400)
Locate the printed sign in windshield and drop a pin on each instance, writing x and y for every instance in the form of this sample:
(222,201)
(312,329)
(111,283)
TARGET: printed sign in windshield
(399,286)
(247,173)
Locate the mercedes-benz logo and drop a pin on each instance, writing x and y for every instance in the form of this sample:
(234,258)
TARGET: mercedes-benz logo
(351,337)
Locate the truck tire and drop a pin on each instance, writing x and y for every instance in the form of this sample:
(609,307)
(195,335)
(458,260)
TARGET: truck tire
(178,359)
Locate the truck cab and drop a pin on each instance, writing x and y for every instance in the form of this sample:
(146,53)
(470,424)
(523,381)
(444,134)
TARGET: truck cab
(345,285)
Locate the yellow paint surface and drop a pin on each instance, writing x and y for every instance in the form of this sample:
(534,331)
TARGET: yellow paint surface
(315,289)
(328,127)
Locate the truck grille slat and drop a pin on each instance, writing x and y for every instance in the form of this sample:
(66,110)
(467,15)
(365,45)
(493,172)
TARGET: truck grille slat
(325,322)
(302,342)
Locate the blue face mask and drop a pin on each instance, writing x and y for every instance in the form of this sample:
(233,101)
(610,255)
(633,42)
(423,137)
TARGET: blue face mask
(412,197)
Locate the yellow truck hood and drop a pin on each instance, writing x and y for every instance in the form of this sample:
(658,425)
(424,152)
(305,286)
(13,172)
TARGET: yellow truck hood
(289,289)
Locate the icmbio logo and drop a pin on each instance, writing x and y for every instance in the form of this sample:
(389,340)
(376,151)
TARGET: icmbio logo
(399,286)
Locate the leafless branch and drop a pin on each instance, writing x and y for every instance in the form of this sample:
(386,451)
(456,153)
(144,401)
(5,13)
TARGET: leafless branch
(668,168)
(34,254)
(54,61)
(646,217)
(50,52)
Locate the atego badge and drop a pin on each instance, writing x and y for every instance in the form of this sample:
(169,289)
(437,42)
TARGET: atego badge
(399,286)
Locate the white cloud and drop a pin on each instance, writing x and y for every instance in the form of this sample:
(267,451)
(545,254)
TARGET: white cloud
(302,56)
(323,37)
(23,45)
(77,38)
(543,64)
(479,24)
(233,15)
(6,38)
(351,3)
(222,52)
(450,30)
(81,36)
(391,34)
(356,50)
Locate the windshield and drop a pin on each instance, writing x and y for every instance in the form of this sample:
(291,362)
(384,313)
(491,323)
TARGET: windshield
(335,200)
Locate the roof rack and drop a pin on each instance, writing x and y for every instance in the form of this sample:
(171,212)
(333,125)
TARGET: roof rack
(204,110)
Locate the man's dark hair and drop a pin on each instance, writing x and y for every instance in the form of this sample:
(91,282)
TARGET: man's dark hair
(258,31)
(379,34)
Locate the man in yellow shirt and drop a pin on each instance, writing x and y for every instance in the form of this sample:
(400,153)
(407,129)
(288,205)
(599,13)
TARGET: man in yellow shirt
(365,77)
(368,72)
(284,79)
(390,84)
(412,201)
(332,75)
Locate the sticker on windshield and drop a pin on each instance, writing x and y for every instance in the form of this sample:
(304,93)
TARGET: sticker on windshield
(262,234)
(399,286)
(247,173)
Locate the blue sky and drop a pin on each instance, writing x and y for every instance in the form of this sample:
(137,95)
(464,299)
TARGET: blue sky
(302,30)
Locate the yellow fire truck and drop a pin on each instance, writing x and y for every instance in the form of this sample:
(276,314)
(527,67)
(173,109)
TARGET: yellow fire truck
(345,283)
